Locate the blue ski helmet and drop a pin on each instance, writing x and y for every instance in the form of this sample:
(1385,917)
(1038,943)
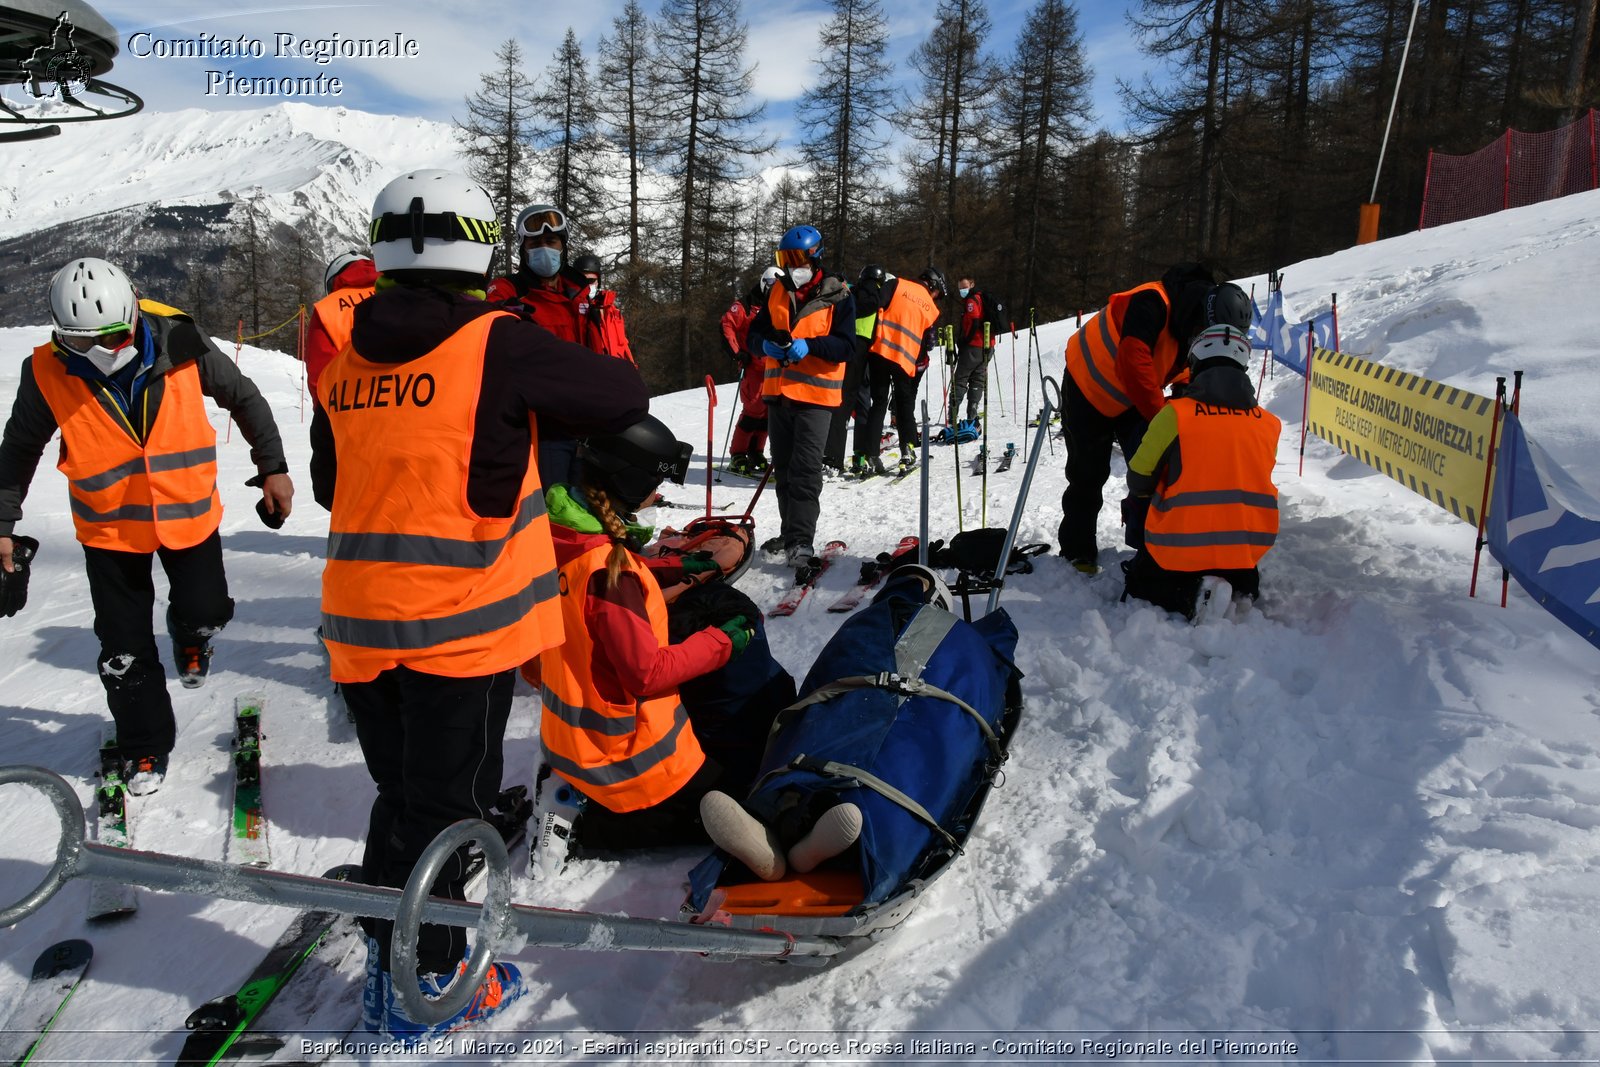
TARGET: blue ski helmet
(802,238)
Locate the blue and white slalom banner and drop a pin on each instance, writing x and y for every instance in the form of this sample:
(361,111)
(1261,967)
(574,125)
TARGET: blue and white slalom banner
(1287,341)
(1541,530)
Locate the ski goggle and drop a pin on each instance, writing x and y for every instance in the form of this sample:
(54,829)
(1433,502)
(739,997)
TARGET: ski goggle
(551,220)
(793,257)
(112,338)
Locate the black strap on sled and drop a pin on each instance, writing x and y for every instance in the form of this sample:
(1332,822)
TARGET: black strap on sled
(868,780)
(895,683)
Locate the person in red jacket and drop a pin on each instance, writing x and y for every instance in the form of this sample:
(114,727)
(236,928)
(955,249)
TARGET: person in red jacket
(971,375)
(608,333)
(614,723)
(556,296)
(750,432)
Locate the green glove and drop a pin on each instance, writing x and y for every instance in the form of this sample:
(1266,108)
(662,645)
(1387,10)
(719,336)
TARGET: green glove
(739,631)
(698,563)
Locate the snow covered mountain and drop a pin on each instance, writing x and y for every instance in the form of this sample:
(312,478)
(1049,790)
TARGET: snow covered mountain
(156,192)
(1362,820)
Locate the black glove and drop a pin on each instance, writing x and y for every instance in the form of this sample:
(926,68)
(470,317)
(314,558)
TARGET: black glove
(1134,509)
(14,583)
(272,520)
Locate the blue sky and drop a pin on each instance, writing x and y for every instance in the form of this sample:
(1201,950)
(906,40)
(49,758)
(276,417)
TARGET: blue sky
(452,49)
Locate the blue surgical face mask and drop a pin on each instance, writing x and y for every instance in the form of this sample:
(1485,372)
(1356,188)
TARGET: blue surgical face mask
(963,292)
(545,262)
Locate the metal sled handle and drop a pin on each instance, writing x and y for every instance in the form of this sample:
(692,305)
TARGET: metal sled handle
(549,927)
(408,924)
(999,578)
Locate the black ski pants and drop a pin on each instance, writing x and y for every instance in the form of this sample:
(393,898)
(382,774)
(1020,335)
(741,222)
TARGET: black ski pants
(1179,591)
(857,400)
(971,380)
(1090,436)
(886,378)
(797,433)
(123,592)
(434,746)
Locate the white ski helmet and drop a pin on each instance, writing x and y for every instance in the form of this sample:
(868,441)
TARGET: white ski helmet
(1221,342)
(339,263)
(770,275)
(90,297)
(434,220)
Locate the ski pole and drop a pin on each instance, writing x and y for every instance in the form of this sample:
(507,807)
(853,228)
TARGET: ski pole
(990,373)
(1014,370)
(727,438)
(497,919)
(983,475)
(1022,499)
(1027,405)
(922,547)
(711,436)
(955,448)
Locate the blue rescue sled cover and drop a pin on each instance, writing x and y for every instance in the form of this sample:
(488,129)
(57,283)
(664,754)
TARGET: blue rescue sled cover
(873,731)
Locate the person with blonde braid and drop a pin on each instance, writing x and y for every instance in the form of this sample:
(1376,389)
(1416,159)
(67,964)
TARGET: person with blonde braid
(614,724)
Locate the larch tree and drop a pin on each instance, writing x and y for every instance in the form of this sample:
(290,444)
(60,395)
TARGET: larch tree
(496,140)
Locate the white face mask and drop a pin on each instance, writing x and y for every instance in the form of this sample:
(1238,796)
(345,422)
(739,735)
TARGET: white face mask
(108,361)
(594,290)
(801,276)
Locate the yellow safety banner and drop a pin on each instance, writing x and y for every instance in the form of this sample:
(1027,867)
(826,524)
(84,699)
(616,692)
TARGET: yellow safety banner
(1430,437)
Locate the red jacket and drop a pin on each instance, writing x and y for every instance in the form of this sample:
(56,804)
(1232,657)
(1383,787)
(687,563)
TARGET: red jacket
(320,348)
(736,328)
(631,663)
(972,320)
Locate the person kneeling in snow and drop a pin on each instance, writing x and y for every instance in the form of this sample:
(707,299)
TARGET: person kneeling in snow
(615,723)
(1201,500)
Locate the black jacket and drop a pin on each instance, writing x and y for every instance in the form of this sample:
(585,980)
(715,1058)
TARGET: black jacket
(525,368)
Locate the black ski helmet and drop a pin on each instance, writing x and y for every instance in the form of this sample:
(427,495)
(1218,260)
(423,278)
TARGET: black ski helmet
(872,273)
(588,263)
(1227,305)
(933,278)
(632,464)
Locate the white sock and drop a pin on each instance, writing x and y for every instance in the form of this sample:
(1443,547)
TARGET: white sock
(739,834)
(836,831)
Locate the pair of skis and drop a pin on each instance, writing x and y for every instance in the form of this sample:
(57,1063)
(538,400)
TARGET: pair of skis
(872,572)
(56,975)
(247,828)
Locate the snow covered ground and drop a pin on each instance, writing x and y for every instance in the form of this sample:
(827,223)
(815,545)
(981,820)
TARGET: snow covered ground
(1363,819)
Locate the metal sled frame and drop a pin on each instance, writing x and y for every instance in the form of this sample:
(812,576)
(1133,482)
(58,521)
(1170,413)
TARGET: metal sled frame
(808,895)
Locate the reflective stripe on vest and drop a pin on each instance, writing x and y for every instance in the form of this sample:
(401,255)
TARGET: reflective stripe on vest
(812,380)
(901,325)
(627,755)
(126,495)
(1221,511)
(1092,353)
(413,577)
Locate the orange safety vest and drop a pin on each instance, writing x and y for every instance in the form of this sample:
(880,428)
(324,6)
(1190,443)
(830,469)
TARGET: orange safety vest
(337,313)
(813,380)
(1221,511)
(1092,353)
(898,335)
(130,495)
(626,755)
(414,577)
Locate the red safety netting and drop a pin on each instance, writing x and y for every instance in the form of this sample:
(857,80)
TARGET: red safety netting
(1516,169)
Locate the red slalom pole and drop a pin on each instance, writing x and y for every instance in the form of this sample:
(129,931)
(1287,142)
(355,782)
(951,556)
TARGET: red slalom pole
(711,436)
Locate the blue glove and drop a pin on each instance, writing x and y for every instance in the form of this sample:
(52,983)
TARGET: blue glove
(775,350)
(797,350)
